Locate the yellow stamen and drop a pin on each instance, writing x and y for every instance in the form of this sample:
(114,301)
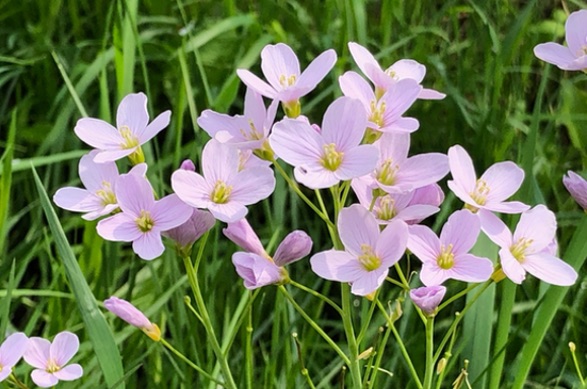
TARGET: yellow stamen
(385,174)
(145,222)
(221,192)
(369,259)
(446,259)
(331,159)
(52,366)
(377,111)
(106,194)
(287,81)
(130,140)
(386,209)
(518,249)
(480,193)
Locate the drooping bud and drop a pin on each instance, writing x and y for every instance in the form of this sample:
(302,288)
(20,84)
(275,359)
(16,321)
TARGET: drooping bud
(130,314)
(577,187)
(427,298)
(189,232)
(188,165)
(242,234)
(295,246)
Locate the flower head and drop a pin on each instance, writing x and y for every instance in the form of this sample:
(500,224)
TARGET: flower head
(11,351)
(529,248)
(448,256)
(577,187)
(50,359)
(224,189)
(99,179)
(574,56)
(498,183)
(143,218)
(368,253)
(427,298)
(384,79)
(132,130)
(130,314)
(186,234)
(322,159)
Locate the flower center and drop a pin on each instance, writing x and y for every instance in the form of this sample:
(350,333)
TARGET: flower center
(391,73)
(368,258)
(221,192)
(386,209)
(377,111)
(145,222)
(386,172)
(331,159)
(519,248)
(480,193)
(252,134)
(106,194)
(286,81)
(130,140)
(446,259)
(52,366)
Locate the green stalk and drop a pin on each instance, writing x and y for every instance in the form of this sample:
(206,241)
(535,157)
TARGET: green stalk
(429,353)
(317,294)
(190,363)
(503,327)
(354,365)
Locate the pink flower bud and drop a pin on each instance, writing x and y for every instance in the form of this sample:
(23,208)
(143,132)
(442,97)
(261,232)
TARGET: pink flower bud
(257,271)
(577,187)
(242,234)
(295,246)
(189,232)
(427,298)
(188,165)
(130,314)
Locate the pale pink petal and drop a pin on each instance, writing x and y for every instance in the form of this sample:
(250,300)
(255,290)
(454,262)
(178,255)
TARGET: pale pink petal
(460,192)
(336,265)
(93,175)
(37,353)
(369,282)
(461,230)
(254,82)
(252,185)
(170,212)
(119,228)
(507,207)
(364,60)
(113,155)
(64,347)
(98,134)
(220,161)
(470,268)
(316,179)
(229,212)
(270,117)
(355,86)
(423,243)
(538,225)
(158,124)
(344,123)
(254,110)
(407,68)
(191,188)
(576,32)
(577,187)
(394,146)
(416,213)
(461,168)
(431,94)
(141,169)
(255,270)
(358,161)
(296,142)
(578,64)
(132,112)
(430,194)
(106,210)
(44,379)
(279,61)
(432,275)
(316,70)
(421,170)
(550,269)
(357,227)
(495,229)
(214,122)
(12,350)
(511,267)
(69,373)
(243,235)
(149,245)
(77,200)
(392,243)
(399,98)
(295,246)
(407,125)
(503,179)
(127,312)
(554,53)
(5,372)
(134,194)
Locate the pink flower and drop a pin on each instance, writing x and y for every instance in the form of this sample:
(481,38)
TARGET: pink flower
(98,198)
(224,189)
(11,351)
(383,80)
(368,253)
(132,131)
(530,248)
(498,183)
(246,132)
(577,187)
(396,173)
(189,232)
(142,218)
(384,113)
(322,159)
(448,256)
(130,314)
(427,298)
(255,266)
(281,68)
(573,57)
(50,359)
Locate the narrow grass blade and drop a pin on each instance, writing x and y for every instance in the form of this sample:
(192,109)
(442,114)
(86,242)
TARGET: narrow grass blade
(69,85)
(95,324)
(5,303)
(6,181)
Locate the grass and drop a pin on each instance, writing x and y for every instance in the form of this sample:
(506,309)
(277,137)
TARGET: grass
(62,60)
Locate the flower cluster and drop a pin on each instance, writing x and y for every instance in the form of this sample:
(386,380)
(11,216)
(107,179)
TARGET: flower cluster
(50,359)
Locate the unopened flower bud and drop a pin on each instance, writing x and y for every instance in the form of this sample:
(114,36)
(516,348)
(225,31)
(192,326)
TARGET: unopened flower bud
(365,354)
(295,246)
(130,314)
(427,298)
(189,232)
(577,187)
(441,366)
(242,234)
(188,165)
(572,347)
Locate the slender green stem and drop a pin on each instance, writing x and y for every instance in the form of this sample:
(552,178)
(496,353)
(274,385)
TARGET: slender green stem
(17,382)
(396,282)
(190,363)
(347,322)
(314,325)
(447,356)
(429,353)
(346,186)
(401,345)
(576,362)
(317,294)
(249,348)
(365,325)
(378,359)
(457,296)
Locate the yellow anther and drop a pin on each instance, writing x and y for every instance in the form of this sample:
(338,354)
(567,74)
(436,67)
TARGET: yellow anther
(331,159)
(480,193)
(286,81)
(377,111)
(368,258)
(106,194)
(518,249)
(386,172)
(130,140)
(386,209)
(52,366)
(221,192)
(145,222)
(446,259)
